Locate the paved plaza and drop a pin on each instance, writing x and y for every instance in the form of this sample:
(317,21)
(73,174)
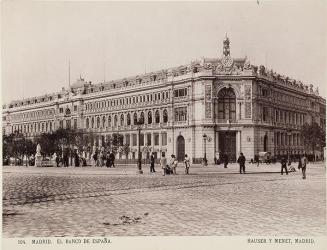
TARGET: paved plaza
(211,201)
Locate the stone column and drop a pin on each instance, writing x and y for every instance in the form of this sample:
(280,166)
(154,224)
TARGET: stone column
(238,143)
(152,140)
(216,143)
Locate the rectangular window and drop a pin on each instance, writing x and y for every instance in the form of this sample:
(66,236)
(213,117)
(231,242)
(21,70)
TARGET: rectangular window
(141,139)
(134,139)
(180,92)
(148,139)
(61,110)
(128,140)
(61,124)
(75,108)
(68,124)
(164,139)
(265,114)
(75,123)
(156,139)
(181,114)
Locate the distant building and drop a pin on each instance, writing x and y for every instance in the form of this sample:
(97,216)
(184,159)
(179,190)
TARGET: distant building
(238,106)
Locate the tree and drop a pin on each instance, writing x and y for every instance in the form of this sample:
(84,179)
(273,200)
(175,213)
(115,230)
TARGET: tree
(115,142)
(126,149)
(17,145)
(313,137)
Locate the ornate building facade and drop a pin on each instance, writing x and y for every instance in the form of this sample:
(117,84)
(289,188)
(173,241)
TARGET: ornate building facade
(213,105)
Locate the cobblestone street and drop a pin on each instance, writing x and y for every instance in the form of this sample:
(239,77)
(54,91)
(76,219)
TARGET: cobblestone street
(118,202)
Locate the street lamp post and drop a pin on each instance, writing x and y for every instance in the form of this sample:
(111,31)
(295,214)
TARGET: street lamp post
(205,162)
(139,163)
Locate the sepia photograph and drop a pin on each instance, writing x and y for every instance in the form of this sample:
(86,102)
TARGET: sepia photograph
(164,119)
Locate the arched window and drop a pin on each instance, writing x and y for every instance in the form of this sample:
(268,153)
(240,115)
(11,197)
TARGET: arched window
(115,120)
(142,118)
(98,122)
(135,118)
(128,119)
(149,117)
(226,104)
(122,119)
(109,121)
(157,116)
(165,116)
(92,122)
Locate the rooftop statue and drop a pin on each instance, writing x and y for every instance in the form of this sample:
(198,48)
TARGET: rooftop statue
(226,51)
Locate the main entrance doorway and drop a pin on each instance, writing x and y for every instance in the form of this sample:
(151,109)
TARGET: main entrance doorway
(227,144)
(180,148)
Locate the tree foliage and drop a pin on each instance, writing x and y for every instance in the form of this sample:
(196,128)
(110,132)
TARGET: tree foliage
(313,136)
(16,145)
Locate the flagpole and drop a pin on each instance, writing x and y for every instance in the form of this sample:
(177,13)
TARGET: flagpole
(69,73)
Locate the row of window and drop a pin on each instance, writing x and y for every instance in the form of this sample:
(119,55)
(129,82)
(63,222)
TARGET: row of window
(128,100)
(35,127)
(180,92)
(67,110)
(283,139)
(122,119)
(68,124)
(283,116)
(32,114)
(146,139)
(276,95)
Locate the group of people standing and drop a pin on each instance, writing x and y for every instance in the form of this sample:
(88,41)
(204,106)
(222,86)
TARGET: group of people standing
(79,159)
(171,166)
(103,158)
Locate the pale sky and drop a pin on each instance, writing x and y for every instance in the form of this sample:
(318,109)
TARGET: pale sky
(116,40)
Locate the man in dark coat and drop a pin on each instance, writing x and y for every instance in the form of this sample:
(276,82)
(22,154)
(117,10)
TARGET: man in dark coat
(241,161)
(76,159)
(284,166)
(108,160)
(152,163)
(112,159)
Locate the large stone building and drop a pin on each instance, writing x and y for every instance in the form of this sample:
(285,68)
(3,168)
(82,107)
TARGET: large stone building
(209,106)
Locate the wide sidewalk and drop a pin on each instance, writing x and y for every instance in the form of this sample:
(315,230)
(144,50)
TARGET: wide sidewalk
(133,170)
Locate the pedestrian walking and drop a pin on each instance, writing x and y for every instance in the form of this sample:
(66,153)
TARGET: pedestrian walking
(303,165)
(112,159)
(225,159)
(57,160)
(284,166)
(187,164)
(173,163)
(76,159)
(163,163)
(108,161)
(65,159)
(256,160)
(241,162)
(152,160)
(95,158)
